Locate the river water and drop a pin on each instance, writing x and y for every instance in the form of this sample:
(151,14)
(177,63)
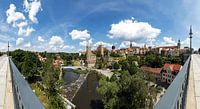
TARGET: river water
(87,96)
(70,77)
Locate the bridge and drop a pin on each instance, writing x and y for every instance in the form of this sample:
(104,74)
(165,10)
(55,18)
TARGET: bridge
(184,91)
(15,92)
(72,67)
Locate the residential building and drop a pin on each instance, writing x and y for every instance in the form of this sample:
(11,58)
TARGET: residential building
(169,72)
(154,71)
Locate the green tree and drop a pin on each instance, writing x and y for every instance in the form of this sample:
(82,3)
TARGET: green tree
(153,60)
(109,91)
(125,91)
(133,93)
(129,65)
(116,65)
(52,85)
(30,66)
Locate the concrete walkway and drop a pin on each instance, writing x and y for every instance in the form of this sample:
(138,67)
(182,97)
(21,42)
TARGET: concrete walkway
(193,97)
(6,101)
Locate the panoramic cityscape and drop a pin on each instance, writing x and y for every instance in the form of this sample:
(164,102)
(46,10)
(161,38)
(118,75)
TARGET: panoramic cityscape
(99,54)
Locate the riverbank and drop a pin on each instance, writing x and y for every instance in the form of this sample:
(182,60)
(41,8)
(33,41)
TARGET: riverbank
(71,89)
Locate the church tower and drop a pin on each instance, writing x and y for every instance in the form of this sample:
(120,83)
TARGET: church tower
(90,57)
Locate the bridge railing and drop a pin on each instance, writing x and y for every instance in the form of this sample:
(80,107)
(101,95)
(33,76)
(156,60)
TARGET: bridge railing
(175,95)
(24,98)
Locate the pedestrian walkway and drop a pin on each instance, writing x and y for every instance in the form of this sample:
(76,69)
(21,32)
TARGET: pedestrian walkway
(193,92)
(6,101)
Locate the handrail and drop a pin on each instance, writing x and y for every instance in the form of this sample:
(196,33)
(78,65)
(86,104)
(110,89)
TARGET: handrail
(174,97)
(24,96)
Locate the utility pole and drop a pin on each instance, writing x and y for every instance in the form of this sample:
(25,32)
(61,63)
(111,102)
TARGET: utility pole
(8,49)
(190,39)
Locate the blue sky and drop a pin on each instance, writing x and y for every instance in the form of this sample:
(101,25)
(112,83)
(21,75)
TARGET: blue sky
(66,25)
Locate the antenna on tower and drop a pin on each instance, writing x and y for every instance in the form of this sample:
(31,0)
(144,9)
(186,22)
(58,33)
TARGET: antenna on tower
(190,39)
(8,49)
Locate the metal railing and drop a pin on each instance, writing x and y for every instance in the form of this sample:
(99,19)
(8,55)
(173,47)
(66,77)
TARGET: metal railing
(175,95)
(24,98)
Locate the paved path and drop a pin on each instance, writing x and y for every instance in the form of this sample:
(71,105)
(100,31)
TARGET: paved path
(107,73)
(6,96)
(193,97)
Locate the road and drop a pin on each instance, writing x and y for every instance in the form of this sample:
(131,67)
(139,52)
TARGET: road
(193,97)
(6,101)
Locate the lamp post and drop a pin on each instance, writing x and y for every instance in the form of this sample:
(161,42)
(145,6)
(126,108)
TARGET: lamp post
(190,39)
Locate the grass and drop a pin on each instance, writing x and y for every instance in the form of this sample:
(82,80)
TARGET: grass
(41,94)
(80,71)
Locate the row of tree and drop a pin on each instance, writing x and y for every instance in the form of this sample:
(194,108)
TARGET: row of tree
(41,73)
(127,88)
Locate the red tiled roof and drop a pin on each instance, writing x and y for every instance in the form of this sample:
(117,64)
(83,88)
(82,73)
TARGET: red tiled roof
(167,47)
(152,70)
(174,67)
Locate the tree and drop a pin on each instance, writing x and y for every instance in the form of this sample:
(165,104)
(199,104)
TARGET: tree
(52,86)
(129,65)
(124,64)
(30,66)
(153,60)
(116,66)
(125,92)
(109,91)
(55,103)
(133,93)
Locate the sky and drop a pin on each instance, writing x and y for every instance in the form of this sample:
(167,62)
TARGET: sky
(68,25)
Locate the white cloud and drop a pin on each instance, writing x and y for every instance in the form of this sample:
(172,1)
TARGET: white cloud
(126,44)
(13,16)
(40,39)
(185,43)
(32,7)
(103,43)
(133,30)
(56,41)
(4,27)
(169,41)
(19,41)
(25,32)
(81,35)
(67,47)
(27,45)
(84,43)
(17,19)
(6,38)
(22,24)
(4,47)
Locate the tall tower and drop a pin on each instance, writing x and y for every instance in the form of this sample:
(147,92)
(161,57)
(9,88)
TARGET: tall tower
(101,50)
(8,48)
(179,44)
(131,44)
(88,53)
(190,39)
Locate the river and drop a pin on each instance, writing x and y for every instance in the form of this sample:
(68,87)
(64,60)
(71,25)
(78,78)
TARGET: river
(87,96)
